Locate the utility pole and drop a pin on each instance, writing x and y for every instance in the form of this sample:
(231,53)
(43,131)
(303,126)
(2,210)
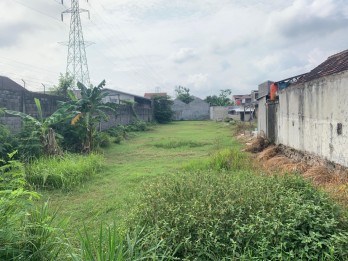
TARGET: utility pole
(77,65)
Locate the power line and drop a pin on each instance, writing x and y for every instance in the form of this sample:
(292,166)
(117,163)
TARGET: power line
(149,68)
(36,10)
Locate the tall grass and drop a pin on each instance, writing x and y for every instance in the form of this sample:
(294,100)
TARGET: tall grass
(172,144)
(63,172)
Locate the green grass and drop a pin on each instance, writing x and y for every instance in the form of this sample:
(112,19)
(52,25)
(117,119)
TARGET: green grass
(113,193)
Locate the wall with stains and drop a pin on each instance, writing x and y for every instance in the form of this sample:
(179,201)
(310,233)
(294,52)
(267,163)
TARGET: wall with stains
(313,117)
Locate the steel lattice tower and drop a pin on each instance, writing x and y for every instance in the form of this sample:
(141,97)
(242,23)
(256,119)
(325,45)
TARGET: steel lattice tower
(77,65)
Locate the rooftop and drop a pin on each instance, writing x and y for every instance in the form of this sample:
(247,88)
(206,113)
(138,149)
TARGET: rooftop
(334,64)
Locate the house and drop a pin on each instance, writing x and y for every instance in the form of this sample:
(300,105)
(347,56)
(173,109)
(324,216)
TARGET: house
(195,110)
(309,112)
(242,99)
(150,95)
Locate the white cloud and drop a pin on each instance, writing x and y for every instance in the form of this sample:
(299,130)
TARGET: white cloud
(184,55)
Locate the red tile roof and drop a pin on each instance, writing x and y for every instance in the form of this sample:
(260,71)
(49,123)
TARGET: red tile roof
(149,95)
(334,64)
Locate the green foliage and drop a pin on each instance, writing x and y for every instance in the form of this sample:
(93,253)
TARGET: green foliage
(65,85)
(63,172)
(163,109)
(102,140)
(242,216)
(8,142)
(173,144)
(111,245)
(221,100)
(92,111)
(183,94)
(41,128)
(26,232)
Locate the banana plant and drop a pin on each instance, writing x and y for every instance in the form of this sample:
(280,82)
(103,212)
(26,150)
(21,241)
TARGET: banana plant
(91,111)
(43,125)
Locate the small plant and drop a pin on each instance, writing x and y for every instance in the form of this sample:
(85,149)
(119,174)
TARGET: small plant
(111,245)
(63,172)
(102,140)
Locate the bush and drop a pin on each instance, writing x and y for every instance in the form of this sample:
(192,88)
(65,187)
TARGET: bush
(242,216)
(26,232)
(102,140)
(163,112)
(63,172)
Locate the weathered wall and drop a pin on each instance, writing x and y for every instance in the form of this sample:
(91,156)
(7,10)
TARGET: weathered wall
(218,112)
(23,101)
(313,117)
(262,117)
(195,110)
(124,115)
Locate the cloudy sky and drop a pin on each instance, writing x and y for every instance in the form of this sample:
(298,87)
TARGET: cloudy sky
(147,45)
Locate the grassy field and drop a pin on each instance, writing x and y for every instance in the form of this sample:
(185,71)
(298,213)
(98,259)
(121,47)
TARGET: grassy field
(161,151)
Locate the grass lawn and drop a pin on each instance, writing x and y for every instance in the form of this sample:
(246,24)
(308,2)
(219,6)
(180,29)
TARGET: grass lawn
(111,195)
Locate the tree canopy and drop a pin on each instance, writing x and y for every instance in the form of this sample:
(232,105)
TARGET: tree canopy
(183,94)
(221,100)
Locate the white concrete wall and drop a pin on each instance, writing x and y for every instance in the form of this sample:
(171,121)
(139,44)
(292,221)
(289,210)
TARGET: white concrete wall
(195,110)
(309,115)
(218,112)
(262,117)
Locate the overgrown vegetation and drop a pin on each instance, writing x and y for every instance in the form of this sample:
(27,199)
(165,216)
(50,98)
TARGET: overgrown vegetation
(237,215)
(183,94)
(27,232)
(163,109)
(63,172)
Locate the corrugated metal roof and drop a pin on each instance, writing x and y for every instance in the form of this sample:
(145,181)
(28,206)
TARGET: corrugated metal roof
(334,64)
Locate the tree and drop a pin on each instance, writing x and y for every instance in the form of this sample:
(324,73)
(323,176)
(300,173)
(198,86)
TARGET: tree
(42,127)
(64,86)
(221,100)
(91,111)
(163,109)
(183,94)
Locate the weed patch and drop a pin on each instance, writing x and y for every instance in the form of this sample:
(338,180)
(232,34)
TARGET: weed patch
(173,144)
(63,172)
(219,216)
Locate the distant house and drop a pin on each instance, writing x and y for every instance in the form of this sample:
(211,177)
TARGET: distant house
(195,110)
(150,95)
(309,112)
(242,99)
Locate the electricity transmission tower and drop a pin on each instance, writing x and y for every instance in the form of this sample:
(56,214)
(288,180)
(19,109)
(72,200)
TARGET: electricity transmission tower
(77,66)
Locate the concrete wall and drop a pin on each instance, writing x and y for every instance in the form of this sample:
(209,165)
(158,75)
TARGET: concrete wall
(23,101)
(313,117)
(218,112)
(262,117)
(124,115)
(195,110)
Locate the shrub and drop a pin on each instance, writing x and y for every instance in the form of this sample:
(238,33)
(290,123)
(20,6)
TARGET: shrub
(241,216)
(138,126)
(102,140)
(26,232)
(163,112)
(63,172)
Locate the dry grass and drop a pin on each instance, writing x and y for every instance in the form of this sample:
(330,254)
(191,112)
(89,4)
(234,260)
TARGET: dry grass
(319,175)
(257,145)
(276,162)
(299,167)
(268,153)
